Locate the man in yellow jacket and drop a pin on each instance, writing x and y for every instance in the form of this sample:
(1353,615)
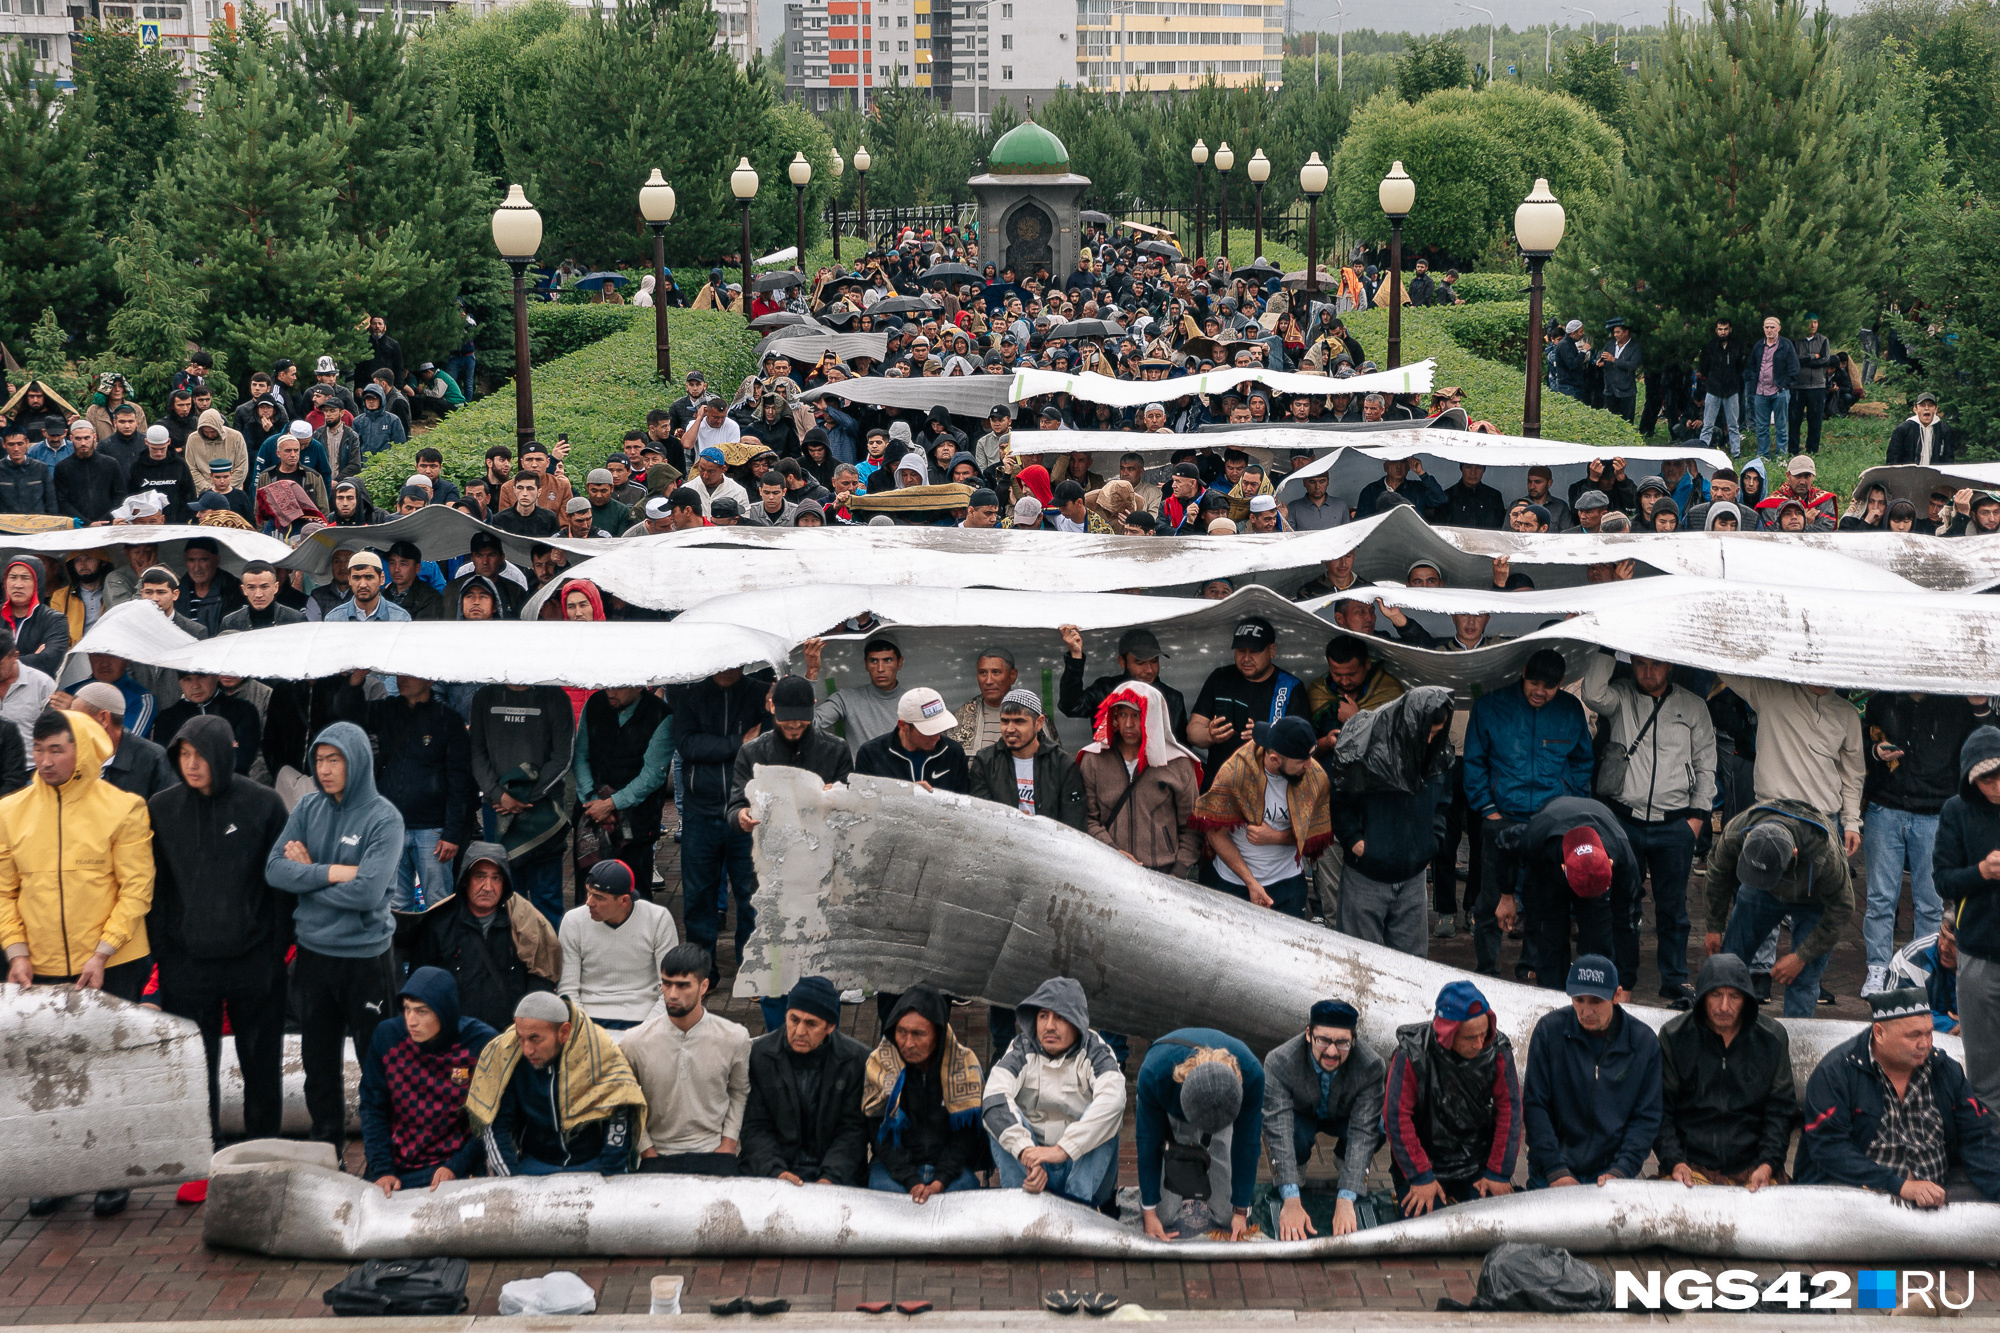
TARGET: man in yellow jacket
(76,878)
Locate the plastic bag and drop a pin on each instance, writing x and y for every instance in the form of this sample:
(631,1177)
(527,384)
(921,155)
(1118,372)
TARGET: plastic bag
(1541,1278)
(557,1293)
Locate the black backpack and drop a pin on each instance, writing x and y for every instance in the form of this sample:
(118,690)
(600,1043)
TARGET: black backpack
(400,1287)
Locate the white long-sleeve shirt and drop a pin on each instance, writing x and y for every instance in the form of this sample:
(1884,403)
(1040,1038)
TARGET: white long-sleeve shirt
(1808,747)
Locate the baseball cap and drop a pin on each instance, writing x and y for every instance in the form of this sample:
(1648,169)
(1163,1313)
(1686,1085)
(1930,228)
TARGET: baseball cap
(1593,974)
(723,508)
(923,708)
(406,551)
(1926,397)
(1027,509)
(792,700)
(1767,854)
(1140,644)
(712,455)
(1255,633)
(612,877)
(660,506)
(1802,466)
(1586,864)
(577,505)
(1290,736)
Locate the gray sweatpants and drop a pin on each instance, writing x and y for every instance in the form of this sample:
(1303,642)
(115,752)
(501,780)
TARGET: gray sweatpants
(1979,1024)
(1397,915)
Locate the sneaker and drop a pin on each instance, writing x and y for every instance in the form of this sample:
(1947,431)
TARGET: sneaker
(1827,997)
(1446,927)
(45,1204)
(1877,982)
(1678,995)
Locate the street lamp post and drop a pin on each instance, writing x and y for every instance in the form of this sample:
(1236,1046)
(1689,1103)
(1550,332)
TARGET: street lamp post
(1225,158)
(517,234)
(1260,171)
(743,184)
(656,205)
(839,165)
(1538,229)
(1397,193)
(861,171)
(1312,180)
(801,172)
(1489,37)
(1199,154)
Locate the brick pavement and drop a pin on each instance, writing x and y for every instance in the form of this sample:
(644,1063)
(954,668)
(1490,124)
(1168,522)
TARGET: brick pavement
(149,1264)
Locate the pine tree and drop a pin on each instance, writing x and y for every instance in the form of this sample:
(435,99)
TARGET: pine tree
(50,357)
(160,316)
(1754,188)
(50,253)
(141,112)
(1954,271)
(1429,64)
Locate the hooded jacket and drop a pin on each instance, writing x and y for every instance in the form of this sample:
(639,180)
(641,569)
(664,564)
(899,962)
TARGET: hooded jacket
(776,1134)
(41,636)
(1147,812)
(211,898)
(1670,772)
(412,1101)
(1819,873)
(76,866)
(495,964)
(201,451)
(1058,783)
(920,1131)
(1968,829)
(1906,442)
(350,919)
(1448,1117)
(1843,1114)
(1073,1099)
(1590,1106)
(1725,1108)
(1347,1105)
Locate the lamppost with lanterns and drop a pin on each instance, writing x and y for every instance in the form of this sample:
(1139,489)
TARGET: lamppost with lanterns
(656,205)
(861,164)
(1538,229)
(1397,194)
(839,165)
(743,184)
(1225,158)
(1260,171)
(801,172)
(1199,155)
(517,234)
(1312,180)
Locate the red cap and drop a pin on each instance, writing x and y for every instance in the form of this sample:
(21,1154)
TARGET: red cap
(1585,863)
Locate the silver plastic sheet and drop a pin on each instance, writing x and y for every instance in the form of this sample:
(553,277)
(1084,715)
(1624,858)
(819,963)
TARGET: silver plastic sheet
(1908,481)
(1094,388)
(238,546)
(440,532)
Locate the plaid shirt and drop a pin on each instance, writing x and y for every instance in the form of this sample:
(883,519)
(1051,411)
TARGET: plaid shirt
(1910,1138)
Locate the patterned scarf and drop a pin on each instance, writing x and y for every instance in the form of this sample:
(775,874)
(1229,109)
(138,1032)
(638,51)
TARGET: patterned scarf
(1238,798)
(592,1078)
(959,1073)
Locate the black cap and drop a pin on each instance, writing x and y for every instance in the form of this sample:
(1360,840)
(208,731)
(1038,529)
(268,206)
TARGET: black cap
(723,508)
(1067,492)
(611,876)
(1254,633)
(983,498)
(792,700)
(1052,413)
(1188,470)
(484,541)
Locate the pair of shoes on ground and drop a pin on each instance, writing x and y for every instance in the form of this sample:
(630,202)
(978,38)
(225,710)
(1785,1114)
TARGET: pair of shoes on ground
(108,1203)
(1090,1302)
(750,1305)
(900,1307)
(1678,995)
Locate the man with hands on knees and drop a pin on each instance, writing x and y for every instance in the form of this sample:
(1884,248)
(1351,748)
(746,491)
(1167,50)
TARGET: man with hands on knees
(1323,1081)
(1452,1105)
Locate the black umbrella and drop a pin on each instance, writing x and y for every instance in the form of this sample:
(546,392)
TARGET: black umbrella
(1087,328)
(771,282)
(778,318)
(950,273)
(1259,274)
(905,305)
(839,319)
(1092,215)
(1160,248)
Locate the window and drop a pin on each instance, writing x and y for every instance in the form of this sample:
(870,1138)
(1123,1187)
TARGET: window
(903,71)
(1006,41)
(1006,73)
(119,12)
(1006,11)
(885,50)
(902,20)
(923,43)
(902,46)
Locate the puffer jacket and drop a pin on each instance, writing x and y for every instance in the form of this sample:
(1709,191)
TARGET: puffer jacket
(1671,773)
(76,866)
(1073,1099)
(1153,827)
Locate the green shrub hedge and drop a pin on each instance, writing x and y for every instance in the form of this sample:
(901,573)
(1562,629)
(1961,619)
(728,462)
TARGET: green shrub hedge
(1496,330)
(1475,287)
(594,395)
(1493,390)
(557,330)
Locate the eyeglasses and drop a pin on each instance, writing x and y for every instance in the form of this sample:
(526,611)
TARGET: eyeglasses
(1321,1045)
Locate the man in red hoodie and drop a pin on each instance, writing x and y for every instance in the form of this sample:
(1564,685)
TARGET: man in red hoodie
(1452,1105)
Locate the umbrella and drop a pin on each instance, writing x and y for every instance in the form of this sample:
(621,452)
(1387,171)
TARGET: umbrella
(1157,248)
(771,282)
(1258,274)
(950,272)
(905,305)
(996,295)
(1328,280)
(1087,328)
(591,282)
(1092,215)
(781,317)
(838,318)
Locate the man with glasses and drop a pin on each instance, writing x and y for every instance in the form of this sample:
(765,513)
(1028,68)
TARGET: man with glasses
(1322,1081)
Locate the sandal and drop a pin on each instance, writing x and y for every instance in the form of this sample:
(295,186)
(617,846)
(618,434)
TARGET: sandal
(766,1304)
(913,1307)
(736,1306)
(1062,1302)
(1101,1303)
(875,1307)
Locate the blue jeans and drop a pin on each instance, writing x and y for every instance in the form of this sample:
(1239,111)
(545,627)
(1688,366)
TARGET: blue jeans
(1757,914)
(1771,412)
(1088,1180)
(1667,853)
(462,369)
(421,879)
(540,880)
(1896,839)
(616,1024)
(1713,406)
(880,1179)
(714,852)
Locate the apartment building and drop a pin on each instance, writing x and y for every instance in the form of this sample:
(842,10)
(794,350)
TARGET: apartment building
(837,52)
(49,27)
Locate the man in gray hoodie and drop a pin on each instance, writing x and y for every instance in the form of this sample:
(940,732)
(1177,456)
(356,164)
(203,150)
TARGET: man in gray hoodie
(1055,1099)
(338,854)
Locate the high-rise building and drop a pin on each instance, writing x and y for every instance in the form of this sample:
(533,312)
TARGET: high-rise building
(49,27)
(1025,49)
(841,52)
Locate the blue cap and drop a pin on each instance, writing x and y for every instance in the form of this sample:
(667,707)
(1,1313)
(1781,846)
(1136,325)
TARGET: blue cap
(1595,975)
(1290,736)
(712,455)
(1461,1000)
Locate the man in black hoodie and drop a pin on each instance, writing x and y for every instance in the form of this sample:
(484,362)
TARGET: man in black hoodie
(219,930)
(492,941)
(1967,870)
(921,1095)
(1728,1106)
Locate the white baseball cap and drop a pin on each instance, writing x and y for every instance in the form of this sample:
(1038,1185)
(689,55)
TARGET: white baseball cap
(923,708)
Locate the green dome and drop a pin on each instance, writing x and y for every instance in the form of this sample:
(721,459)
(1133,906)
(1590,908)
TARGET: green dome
(1028,150)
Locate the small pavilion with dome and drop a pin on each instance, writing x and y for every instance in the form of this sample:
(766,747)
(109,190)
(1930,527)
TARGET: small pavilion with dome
(1028,202)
